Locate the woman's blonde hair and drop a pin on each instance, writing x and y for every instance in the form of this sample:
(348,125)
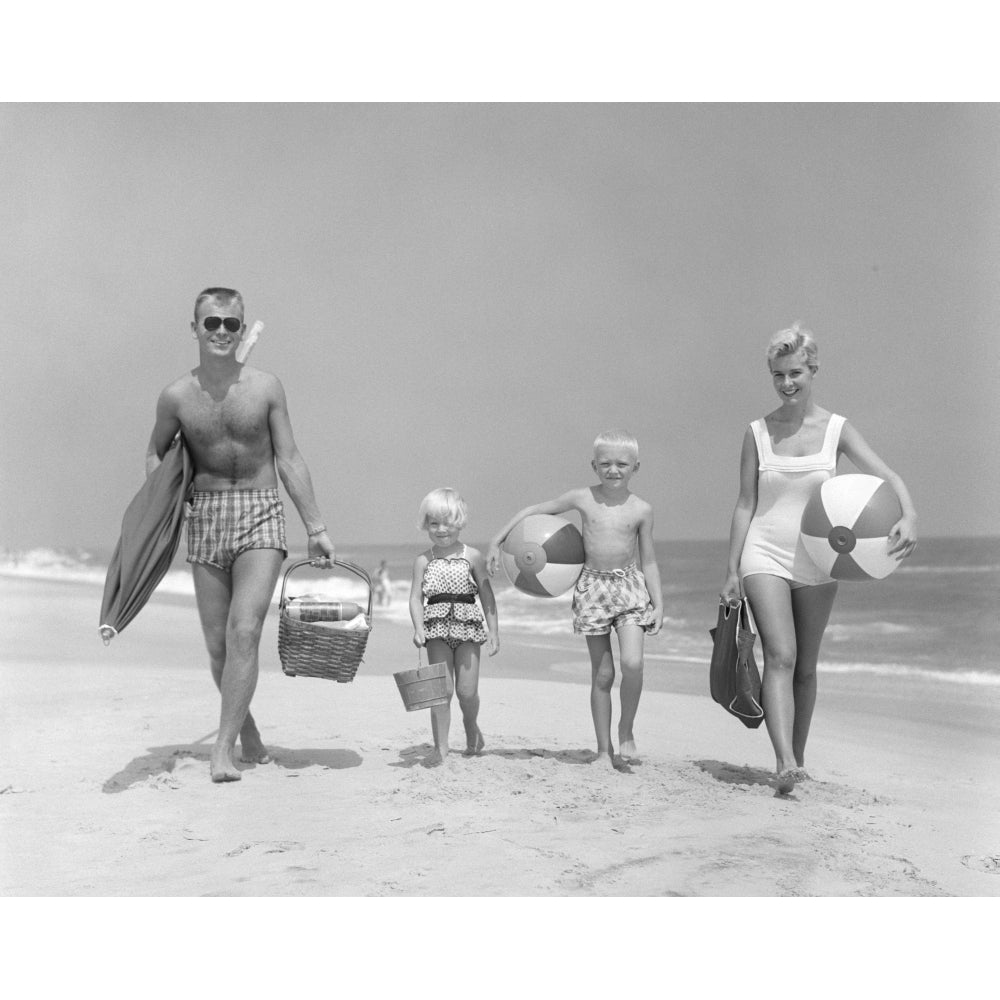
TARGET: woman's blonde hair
(796,338)
(445,505)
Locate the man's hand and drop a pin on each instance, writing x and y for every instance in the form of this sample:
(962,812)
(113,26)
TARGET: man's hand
(321,551)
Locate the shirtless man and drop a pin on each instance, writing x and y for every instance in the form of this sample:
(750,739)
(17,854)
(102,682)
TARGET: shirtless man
(619,587)
(235,423)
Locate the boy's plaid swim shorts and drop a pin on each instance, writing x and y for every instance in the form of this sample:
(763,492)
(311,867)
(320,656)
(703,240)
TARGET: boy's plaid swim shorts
(607,599)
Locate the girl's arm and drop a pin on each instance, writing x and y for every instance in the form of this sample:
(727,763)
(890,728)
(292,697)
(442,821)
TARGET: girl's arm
(568,501)
(746,504)
(486,598)
(903,534)
(650,569)
(417,600)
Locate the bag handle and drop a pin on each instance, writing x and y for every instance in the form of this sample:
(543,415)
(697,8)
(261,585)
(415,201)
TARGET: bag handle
(730,607)
(352,567)
(744,616)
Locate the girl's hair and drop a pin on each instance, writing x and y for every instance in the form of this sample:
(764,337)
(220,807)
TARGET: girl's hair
(222,294)
(616,437)
(444,505)
(796,338)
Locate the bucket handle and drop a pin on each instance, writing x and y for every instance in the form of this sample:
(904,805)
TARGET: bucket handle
(352,567)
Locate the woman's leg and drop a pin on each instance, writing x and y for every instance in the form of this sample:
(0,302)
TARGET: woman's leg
(811,608)
(771,603)
(467,689)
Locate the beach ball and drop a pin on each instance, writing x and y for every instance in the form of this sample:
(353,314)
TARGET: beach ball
(845,526)
(543,555)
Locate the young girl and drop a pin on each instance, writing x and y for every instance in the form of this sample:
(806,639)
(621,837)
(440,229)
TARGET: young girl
(446,619)
(785,456)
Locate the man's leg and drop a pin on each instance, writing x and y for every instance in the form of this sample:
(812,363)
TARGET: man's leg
(252,581)
(213,591)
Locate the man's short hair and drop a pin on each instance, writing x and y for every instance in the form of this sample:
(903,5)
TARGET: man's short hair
(223,294)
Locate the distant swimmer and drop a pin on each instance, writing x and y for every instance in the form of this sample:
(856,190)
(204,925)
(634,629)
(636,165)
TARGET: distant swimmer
(785,456)
(235,422)
(382,585)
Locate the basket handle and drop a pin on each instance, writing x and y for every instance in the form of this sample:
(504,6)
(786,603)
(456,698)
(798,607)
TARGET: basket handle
(353,567)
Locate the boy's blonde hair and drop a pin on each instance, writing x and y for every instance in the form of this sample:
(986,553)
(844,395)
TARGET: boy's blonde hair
(445,505)
(796,338)
(617,437)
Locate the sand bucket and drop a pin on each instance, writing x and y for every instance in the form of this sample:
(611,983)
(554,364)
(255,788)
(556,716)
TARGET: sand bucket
(423,687)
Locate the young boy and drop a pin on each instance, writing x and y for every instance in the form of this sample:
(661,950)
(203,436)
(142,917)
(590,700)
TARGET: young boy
(613,591)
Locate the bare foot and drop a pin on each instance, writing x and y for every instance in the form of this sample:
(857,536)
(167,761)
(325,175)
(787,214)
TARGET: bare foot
(254,753)
(252,749)
(609,757)
(628,751)
(435,758)
(784,781)
(474,749)
(221,765)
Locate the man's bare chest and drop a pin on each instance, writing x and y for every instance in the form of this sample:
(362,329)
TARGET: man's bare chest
(236,416)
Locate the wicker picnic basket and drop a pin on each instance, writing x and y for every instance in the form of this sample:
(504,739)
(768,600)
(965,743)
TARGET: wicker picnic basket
(308,649)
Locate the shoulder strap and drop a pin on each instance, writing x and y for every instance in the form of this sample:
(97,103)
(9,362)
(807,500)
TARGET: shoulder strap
(832,441)
(763,439)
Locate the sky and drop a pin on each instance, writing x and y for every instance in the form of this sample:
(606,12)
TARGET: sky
(465,294)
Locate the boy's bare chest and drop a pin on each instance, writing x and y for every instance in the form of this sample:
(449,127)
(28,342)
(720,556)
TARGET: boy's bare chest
(622,519)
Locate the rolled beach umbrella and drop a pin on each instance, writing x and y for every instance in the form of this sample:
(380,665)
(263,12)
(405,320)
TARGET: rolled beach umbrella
(151,532)
(247,344)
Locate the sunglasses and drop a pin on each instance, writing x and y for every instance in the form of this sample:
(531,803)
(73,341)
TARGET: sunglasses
(231,323)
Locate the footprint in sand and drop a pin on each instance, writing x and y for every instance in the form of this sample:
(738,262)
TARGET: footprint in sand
(989,863)
(266,847)
(162,782)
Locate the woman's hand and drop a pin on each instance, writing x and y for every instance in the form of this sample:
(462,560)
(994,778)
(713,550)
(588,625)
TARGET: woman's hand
(731,592)
(419,639)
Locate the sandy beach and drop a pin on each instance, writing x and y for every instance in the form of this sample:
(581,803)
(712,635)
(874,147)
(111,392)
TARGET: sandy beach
(104,787)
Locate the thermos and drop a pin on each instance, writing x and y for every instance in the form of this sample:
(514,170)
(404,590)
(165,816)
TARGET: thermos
(311,609)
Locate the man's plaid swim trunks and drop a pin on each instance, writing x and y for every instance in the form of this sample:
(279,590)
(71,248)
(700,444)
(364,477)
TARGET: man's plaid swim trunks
(222,524)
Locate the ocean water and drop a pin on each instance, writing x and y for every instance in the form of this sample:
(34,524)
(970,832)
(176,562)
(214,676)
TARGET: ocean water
(934,619)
